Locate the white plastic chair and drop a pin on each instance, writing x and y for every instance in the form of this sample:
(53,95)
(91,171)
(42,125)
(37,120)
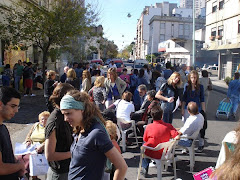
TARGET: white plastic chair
(167,154)
(124,132)
(190,149)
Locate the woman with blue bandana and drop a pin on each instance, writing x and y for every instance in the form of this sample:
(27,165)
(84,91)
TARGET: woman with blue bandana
(92,145)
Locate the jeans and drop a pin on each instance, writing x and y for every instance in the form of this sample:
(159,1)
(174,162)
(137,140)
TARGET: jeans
(54,176)
(145,163)
(168,117)
(185,142)
(16,82)
(235,102)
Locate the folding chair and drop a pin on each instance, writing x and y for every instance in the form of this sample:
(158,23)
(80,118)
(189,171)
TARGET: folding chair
(167,154)
(124,131)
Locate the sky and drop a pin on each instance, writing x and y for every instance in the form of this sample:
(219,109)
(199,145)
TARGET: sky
(113,17)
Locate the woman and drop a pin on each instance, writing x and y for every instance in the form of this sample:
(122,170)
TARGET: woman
(86,81)
(92,145)
(230,168)
(115,86)
(72,79)
(141,79)
(168,94)
(49,86)
(98,93)
(207,85)
(194,91)
(147,75)
(35,135)
(58,136)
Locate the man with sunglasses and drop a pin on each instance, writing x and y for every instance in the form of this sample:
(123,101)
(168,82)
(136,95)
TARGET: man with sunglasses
(10,169)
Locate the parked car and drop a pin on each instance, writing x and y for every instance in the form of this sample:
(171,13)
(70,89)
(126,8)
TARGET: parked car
(139,63)
(97,61)
(212,69)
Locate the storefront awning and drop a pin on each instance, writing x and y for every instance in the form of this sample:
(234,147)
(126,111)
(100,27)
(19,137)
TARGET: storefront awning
(161,49)
(214,46)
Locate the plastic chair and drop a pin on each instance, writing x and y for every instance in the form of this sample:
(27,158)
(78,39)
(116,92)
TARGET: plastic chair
(124,131)
(190,149)
(167,154)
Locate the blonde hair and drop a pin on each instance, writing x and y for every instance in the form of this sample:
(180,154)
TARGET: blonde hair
(71,73)
(172,77)
(44,113)
(91,111)
(113,71)
(50,73)
(99,82)
(86,74)
(111,129)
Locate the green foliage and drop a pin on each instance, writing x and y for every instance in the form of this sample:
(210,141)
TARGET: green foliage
(46,28)
(227,80)
(148,57)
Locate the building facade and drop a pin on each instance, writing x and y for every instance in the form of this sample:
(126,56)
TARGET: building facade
(223,34)
(164,28)
(142,40)
(199,6)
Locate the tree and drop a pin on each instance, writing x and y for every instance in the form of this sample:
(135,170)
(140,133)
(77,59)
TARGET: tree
(149,56)
(46,28)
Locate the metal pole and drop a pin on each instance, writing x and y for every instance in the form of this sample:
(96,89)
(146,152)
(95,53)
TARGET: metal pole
(193,48)
(152,47)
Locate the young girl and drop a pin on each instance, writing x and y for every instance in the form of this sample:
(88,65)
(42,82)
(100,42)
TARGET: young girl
(92,145)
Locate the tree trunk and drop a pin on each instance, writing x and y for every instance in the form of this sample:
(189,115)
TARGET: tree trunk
(44,64)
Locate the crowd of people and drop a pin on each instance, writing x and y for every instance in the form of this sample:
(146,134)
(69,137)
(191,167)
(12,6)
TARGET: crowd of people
(80,144)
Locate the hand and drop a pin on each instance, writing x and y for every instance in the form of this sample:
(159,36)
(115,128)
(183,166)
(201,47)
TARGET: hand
(28,143)
(39,149)
(171,99)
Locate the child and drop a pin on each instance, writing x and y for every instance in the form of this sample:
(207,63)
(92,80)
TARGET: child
(112,131)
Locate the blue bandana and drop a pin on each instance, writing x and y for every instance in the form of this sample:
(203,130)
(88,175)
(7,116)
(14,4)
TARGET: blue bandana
(68,102)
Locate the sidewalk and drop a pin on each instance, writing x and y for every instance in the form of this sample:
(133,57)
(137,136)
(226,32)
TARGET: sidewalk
(219,85)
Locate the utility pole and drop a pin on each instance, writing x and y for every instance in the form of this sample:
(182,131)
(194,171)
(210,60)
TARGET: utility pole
(152,47)
(193,48)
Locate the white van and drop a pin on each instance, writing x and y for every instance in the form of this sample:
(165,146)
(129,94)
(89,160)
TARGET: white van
(139,63)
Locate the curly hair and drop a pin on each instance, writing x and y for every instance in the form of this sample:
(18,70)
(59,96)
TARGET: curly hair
(197,85)
(90,112)
(59,92)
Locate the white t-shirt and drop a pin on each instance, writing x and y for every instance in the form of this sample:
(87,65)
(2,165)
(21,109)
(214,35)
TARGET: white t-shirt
(192,124)
(124,109)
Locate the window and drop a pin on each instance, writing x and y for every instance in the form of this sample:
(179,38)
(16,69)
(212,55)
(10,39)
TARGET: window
(213,31)
(162,25)
(220,31)
(214,7)
(162,37)
(186,30)
(238,26)
(221,3)
(180,30)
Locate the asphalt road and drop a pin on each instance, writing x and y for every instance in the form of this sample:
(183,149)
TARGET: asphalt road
(217,129)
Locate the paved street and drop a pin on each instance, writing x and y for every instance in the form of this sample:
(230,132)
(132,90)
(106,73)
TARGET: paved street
(32,106)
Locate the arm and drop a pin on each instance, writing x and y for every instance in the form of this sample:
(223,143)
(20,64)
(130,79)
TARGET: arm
(50,146)
(202,98)
(121,167)
(10,168)
(28,139)
(161,97)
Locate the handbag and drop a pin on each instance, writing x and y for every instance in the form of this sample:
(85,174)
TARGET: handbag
(210,87)
(38,164)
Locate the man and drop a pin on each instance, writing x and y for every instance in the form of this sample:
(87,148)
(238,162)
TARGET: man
(64,75)
(9,104)
(18,74)
(234,93)
(193,124)
(112,64)
(155,133)
(183,78)
(167,72)
(28,79)
(140,97)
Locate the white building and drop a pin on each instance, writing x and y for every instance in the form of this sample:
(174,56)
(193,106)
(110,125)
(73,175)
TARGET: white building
(163,28)
(199,5)
(223,34)
(161,9)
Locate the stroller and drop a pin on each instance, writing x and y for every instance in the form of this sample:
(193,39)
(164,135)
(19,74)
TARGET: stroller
(224,108)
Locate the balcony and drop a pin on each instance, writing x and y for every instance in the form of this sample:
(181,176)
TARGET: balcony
(212,38)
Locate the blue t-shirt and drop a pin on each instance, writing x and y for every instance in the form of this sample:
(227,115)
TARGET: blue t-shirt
(88,154)
(195,96)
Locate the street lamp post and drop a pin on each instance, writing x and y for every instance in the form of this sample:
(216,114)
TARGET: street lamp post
(152,47)
(193,48)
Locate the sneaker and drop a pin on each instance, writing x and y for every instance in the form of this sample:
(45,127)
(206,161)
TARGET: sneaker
(152,164)
(33,95)
(144,172)
(200,149)
(25,95)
